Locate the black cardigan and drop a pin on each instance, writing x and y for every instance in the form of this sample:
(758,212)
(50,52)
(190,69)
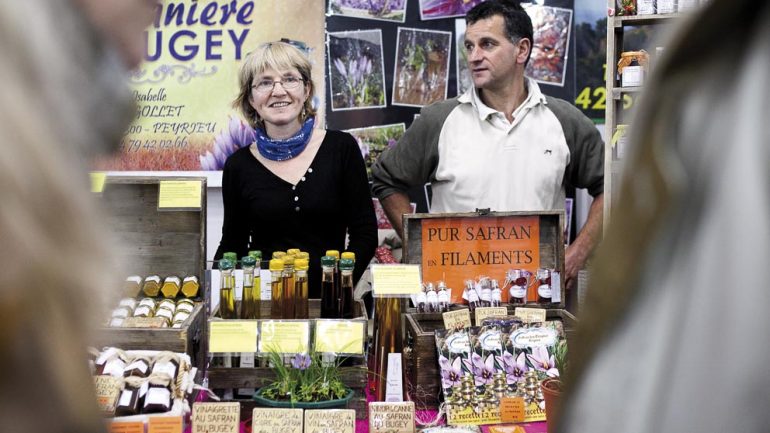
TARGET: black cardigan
(264,212)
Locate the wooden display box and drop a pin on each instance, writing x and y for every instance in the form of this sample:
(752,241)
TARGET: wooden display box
(158,242)
(353,376)
(421,364)
(459,246)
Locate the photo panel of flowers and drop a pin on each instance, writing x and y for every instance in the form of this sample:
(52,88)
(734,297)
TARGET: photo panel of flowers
(464,81)
(356,70)
(551,26)
(382,10)
(437,9)
(373,140)
(421,70)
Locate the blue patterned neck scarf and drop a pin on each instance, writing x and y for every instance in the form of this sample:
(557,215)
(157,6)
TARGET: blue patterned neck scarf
(287,148)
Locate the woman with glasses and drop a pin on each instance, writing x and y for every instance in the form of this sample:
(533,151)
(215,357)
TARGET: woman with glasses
(297,185)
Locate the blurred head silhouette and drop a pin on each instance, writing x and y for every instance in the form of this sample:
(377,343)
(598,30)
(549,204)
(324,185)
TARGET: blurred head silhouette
(64,100)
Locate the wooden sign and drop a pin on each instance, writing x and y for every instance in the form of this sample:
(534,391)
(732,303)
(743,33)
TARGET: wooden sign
(332,420)
(453,248)
(530,314)
(482,313)
(216,417)
(165,424)
(107,393)
(391,417)
(268,420)
(458,319)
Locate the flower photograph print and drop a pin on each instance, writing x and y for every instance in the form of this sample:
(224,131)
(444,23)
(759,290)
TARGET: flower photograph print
(421,67)
(464,81)
(356,71)
(383,10)
(551,26)
(437,9)
(374,140)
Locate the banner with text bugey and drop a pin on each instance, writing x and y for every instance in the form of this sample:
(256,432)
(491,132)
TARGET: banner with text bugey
(455,249)
(184,90)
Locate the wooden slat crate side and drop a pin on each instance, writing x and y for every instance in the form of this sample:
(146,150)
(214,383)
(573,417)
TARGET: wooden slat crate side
(155,242)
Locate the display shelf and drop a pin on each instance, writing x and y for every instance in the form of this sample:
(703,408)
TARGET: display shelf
(616,27)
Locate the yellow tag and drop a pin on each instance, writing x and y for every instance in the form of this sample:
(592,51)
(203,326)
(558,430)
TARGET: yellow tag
(268,420)
(97,181)
(216,417)
(512,409)
(619,131)
(165,424)
(332,420)
(232,336)
(457,319)
(530,314)
(340,336)
(473,415)
(396,280)
(482,313)
(126,427)
(284,337)
(506,429)
(180,194)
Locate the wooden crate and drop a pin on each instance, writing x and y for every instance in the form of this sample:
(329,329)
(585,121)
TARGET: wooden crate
(421,364)
(353,376)
(496,242)
(158,242)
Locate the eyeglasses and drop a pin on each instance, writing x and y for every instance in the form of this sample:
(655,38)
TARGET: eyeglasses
(288,83)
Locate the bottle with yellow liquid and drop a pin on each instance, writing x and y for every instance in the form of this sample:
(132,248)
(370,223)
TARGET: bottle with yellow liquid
(287,281)
(346,288)
(251,302)
(300,289)
(226,290)
(276,289)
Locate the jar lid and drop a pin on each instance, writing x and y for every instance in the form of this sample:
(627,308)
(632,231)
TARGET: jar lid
(248,261)
(347,264)
(226,264)
(276,265)
(349,255)
(328,261)
(230,256)
(257,254)
(333,253)
(301,264)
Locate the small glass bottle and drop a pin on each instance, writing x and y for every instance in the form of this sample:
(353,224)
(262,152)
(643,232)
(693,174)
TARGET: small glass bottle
(301,289)
(497,294)
(251,295)
(443,297)
(346,288)
(471,295)
(422,300)
(287,281)
(486,292)
(276,289)
(431,298)
(226,289)
(329,297)
(519,280)
(544,286)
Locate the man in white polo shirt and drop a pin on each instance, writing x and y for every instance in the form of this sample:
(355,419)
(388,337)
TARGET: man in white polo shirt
(502,145)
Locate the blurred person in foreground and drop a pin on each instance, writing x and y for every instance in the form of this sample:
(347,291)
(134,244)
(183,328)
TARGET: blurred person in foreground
(297,185)
(64,100)
(674,335)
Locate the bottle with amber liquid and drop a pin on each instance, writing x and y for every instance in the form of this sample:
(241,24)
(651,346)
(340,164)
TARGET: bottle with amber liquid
(346,288)
(301,289)
(287,281)
(227,290)
(336,255)
(251,299)
(329,294)
(276,289)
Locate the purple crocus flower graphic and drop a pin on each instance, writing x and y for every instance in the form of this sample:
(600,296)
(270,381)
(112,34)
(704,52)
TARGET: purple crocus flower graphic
(543,361)
(514,367)
(483,370)
(451,373)
(236,135)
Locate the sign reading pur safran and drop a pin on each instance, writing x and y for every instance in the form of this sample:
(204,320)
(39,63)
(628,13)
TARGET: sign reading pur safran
(456,249)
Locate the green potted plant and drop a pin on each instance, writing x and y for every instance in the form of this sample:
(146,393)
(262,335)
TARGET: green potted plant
(305,382)
(552,386)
